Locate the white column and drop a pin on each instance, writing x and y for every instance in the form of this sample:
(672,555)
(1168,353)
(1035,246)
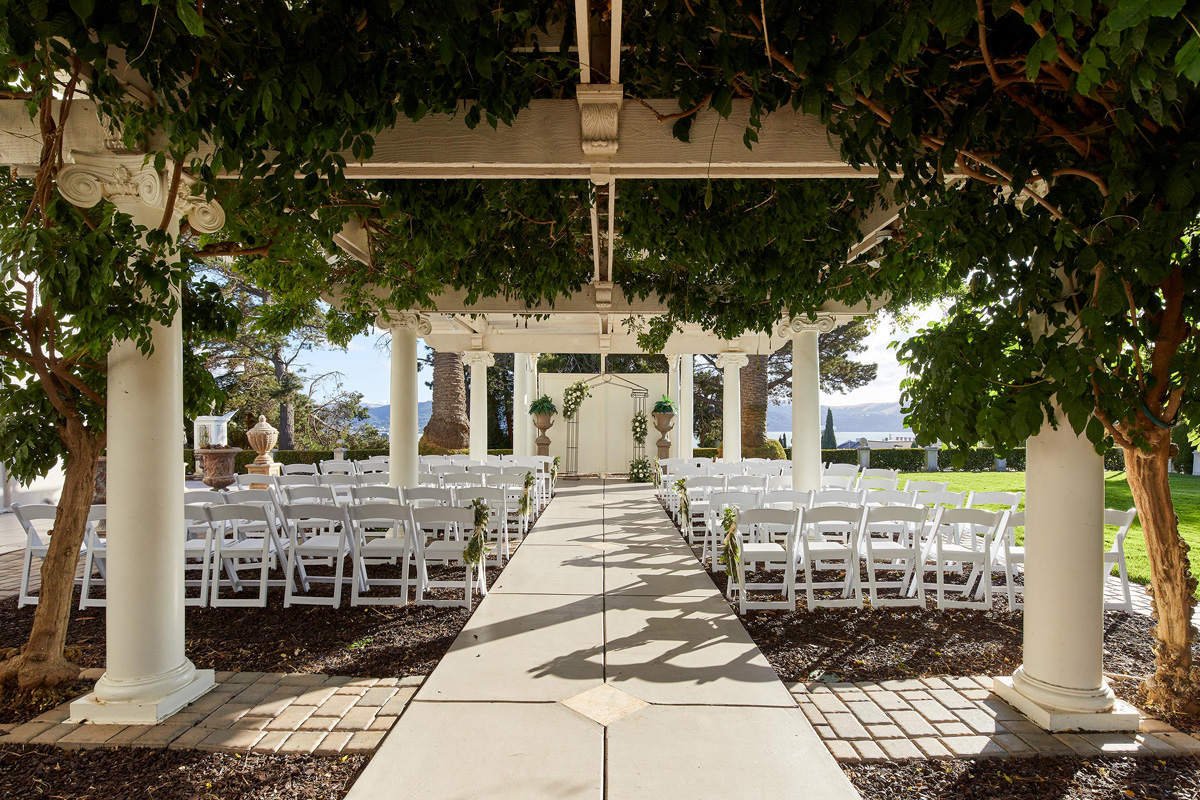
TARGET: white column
(531,432)
(731,409)
(683,428)
(673,394)
(1060,685)
(403,434)
(806,411)
(147,675)
(478,361)
(520,407)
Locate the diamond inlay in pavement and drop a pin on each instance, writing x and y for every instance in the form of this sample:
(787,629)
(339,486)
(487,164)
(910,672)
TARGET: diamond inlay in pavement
(603,663)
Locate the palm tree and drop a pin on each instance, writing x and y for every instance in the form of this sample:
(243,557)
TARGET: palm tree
(448,427)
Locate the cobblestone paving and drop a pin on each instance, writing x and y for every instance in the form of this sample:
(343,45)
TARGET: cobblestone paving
(250,711)
(904,720)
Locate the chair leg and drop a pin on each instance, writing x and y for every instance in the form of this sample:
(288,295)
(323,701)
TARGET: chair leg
(87,579)
(23,598)
(288,582)
(337,576)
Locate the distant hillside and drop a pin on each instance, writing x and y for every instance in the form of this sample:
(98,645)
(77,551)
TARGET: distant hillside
(858,417)
(380,415)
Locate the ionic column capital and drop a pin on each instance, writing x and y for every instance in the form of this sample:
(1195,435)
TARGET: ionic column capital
(410,320)
(478,358)
(136,189)
(801,323)
(732,360)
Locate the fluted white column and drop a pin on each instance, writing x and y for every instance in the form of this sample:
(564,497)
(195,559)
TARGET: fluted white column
(520,406)
(147,674)
(673,394)
(403,433)
(1060,685)
(478,361)
(806,412)
(683,428)
(731,404)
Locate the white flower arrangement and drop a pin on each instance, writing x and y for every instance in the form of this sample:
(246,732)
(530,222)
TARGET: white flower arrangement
(573,398)
(639,427)
(641,470)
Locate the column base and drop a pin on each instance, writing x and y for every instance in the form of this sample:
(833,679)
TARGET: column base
(141,711)
(1059,709)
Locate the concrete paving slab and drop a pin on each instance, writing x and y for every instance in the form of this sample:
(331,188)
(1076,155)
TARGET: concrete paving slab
(722,753)
(565,569)
(464,751)
(523,647)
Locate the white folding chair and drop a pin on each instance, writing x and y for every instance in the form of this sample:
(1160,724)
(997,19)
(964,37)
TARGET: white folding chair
(891,542)
(977,524)
(282,482)
(373,493)
(37,519)
(713,532)
(819,552)
(424,496)
(309,494)
(299,469)
(1115,555)
(768,540)
(370,548)
(877,484)
(1012,557)
(329,537)
(839,481)
(450,527)
(496,500)
(197,544)
(241,531)
(95,560)
(927,486)
(335,466)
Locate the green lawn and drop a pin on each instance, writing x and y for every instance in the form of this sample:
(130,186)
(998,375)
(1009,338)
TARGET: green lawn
(1185,491)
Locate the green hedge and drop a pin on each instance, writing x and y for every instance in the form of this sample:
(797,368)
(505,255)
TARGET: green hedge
(905,459)
(704,452)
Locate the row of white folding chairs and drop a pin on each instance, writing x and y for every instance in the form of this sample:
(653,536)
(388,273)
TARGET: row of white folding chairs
(37,520)
(492,476)
(243,536)
(367,466)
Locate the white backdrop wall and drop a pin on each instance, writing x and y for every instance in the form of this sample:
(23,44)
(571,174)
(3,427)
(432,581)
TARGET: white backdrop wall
(605,436)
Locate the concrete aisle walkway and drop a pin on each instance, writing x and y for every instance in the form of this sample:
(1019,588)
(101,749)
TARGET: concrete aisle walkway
(603,664)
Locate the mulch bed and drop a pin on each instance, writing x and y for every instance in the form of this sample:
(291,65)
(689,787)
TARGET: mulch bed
(1033,778)
(365,641)
(144,774)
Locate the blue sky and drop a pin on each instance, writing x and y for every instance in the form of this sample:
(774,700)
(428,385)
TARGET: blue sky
(364,366)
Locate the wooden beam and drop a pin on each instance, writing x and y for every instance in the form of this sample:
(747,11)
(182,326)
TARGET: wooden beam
(543,142)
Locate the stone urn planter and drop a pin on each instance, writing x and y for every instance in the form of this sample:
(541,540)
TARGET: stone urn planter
(218,465)
(263,438)
(664,422)
(543,422)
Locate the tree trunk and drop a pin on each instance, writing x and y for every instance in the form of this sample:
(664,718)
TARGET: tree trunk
(287,412)
(448,426)
(42,661)
(754,404)
(1173,687)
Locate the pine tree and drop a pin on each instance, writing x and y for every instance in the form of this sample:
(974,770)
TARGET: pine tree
(828,437)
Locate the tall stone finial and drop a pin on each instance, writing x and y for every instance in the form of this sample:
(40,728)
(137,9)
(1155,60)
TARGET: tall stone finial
(263,438)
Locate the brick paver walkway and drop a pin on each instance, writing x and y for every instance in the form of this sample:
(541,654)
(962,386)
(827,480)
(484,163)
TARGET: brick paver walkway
(956,718)
(251,711)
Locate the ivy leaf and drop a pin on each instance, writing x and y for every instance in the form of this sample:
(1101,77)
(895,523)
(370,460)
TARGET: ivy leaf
(1187,60)
(189,15)
(83,8)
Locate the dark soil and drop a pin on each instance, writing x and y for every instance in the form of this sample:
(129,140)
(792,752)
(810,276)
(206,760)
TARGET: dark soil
(365,641)
(1032,778)
(143,774)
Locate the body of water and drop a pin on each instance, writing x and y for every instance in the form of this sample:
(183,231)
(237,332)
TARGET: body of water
(845,436)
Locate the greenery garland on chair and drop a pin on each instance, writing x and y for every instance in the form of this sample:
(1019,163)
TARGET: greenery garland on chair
(524,505)
(731,546)
(573,397)
(685,511)
(554,469)
(476,550)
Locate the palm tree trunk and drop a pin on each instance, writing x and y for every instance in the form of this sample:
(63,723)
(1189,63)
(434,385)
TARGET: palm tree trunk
(754,404)
(448,426)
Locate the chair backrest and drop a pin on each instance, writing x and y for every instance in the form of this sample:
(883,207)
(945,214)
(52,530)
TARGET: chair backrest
(299,469)
(376,516)
(380,478)
(779,482)
(338,479)
(374,494)
(315,512)
(740,500)
(909,514)
(485,469)
(459,459)
(785,498)
(745,483)
(889,497)
(517,472)
(445,522)
(878,484)
(432,460)
(421,496)
(364,466)
(1121,520)
(770,517)
(255,496)
(238,512)
(300,494)
(705,484)
(335,466)
(249,481)
(841,469)
(927,486)
(445,467)
(835,497)
(463,479)
(879,472)
(202,496)
(37,519)
(850,514)
(1008,500)
(298,479)
(838,481)
(491,495)
(980,520)
(940,499)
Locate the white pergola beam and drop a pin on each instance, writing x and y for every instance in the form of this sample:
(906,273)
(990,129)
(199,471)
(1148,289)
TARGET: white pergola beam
(544,141)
